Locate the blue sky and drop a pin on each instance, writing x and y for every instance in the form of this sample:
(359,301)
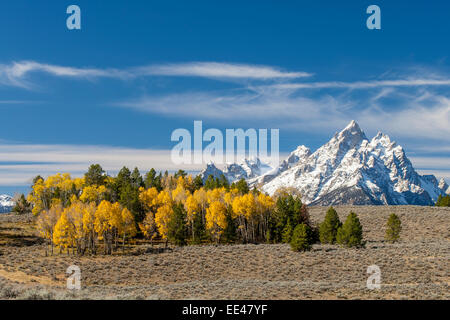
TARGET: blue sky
(114,91)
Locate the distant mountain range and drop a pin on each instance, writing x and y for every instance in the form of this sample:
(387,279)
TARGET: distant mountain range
(348,169)
(6,203)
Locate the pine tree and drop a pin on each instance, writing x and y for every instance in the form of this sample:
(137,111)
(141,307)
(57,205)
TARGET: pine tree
(210,183)
(394,227)
(230,233)
(329,227)
(287,233)
(136,179)
(301,238)
(198,182)
(242,186)
(149,179)
(198,229)
(95,175)
(350,234)
(443,201)
(177,230)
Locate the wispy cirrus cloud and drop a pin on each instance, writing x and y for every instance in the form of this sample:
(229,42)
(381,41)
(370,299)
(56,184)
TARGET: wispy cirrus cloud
(222,70)
(411,82)
(16,73)
(418,114)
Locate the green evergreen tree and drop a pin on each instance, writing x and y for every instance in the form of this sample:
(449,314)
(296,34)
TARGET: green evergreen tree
(210,183)
(288,210)
(287,232)
(149,179)
(95,175)
(124,177)
(394,227)
(329,227)
(443,201)
(350,234)
(177,229)
(199,230)
(301,240)
(136,179)
(180,173)
(223,182)
(242,186)
(230,232)
(198,182)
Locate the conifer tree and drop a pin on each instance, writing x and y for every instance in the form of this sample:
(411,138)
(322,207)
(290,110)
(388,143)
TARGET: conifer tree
(350,234)
(301,238)
(177,229)
(287,232)
(229,233)
(95,175)
(394,227)
(329,227)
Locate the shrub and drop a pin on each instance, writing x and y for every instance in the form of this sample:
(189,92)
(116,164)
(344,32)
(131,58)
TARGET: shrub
(394,227)
(301,238)
(350,233)
(329,227)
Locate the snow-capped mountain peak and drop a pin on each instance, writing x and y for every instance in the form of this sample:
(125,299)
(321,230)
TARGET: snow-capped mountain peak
(348,169)
(351,169)
(246,169)
(6,203)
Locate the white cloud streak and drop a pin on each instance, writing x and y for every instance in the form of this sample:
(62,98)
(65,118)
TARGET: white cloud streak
(365,84)
(15,74)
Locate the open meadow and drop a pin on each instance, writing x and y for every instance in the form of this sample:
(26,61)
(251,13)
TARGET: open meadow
(418,267)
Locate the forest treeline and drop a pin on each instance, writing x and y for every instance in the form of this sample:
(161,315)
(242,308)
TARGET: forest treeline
(84,214)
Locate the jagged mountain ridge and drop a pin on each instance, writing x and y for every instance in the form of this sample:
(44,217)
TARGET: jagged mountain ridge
(6,203)
(248,169)
(350,169)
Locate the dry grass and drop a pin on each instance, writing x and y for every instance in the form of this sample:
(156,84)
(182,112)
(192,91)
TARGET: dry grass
(415,268)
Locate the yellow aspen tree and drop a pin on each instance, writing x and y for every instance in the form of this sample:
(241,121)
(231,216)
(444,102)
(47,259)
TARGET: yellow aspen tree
(180,194)
(230,196)
(116,221)
(89,226)
(164,198)
(265,205)
(193,208)
(93,193)
(216,219)
(63,234)
(102,225)
(38,198)
(162,218)
(128,227)
(189,183)
(148,198)
(148,226)
(46,222)
(216,194)
(201,197)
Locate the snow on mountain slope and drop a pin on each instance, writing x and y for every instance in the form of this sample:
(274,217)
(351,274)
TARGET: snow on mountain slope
(6,203)
(350,169)
(300,153)
(247,169)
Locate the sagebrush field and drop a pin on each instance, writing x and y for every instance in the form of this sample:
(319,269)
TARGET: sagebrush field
(418,267)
